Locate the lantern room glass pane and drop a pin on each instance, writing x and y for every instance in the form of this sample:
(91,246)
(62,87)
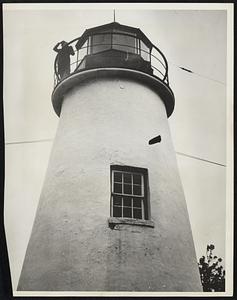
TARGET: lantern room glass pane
(83,50)
(82,65)
(145,52)
(100,42)
(124,43)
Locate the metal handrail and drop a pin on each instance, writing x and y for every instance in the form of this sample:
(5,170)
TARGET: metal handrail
(163,63)
(124,45)
(129,52)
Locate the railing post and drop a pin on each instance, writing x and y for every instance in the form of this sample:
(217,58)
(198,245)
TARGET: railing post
(77,58)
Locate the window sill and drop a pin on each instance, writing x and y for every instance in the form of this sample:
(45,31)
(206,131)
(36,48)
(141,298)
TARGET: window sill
(115,221)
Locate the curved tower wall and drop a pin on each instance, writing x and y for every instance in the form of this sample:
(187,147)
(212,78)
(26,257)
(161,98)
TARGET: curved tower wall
(103,122)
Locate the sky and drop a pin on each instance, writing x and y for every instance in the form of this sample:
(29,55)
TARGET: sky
(192,38)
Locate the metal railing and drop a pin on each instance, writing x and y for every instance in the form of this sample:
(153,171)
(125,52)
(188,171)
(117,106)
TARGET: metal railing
(155,58)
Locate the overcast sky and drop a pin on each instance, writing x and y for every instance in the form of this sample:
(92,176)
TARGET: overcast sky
(194,39)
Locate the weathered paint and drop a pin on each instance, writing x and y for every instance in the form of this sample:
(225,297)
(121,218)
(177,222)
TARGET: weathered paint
(108,121)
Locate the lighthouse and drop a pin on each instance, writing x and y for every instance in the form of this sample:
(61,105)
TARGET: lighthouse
(112,214)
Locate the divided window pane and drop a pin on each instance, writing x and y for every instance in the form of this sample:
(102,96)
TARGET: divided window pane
(117,177)
(137,213)
(127,178)
(137,203)
(127,212)
(127,201)
(127,189)
(118,188)
(137,179)
(117,200)
(137,190)
(117,211)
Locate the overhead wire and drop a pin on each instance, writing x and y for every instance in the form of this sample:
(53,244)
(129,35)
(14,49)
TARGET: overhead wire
(28,142)
(197,74)
(179,153)
(202,159)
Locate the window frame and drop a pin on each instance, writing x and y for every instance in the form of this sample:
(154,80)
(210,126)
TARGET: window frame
(145,203)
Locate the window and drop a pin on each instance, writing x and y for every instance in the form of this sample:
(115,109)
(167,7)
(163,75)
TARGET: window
(100,42)
(124,43)
(129,192)
(144,51)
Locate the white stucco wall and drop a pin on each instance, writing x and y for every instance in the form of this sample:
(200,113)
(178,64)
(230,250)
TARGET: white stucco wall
(108,121)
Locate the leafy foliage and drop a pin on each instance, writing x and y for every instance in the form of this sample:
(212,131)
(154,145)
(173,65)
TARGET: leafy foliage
(211,272)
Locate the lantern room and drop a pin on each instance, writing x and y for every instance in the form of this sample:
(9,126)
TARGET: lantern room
(114,46)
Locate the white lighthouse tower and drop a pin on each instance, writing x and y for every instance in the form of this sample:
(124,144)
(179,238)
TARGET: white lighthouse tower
(112,214)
